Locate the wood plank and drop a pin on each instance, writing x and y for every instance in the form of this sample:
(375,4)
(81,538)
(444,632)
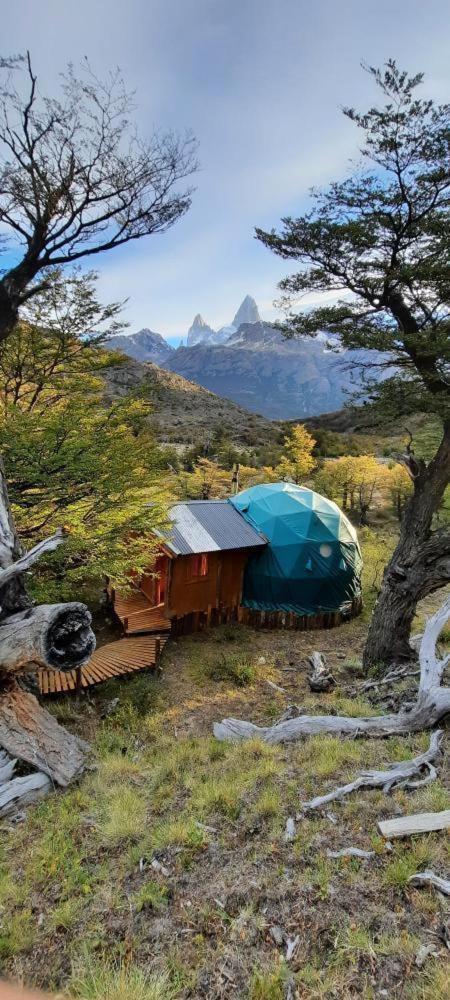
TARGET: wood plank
(406,826)
(116,659)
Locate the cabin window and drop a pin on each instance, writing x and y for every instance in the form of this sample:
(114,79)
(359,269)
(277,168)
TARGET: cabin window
(199,565)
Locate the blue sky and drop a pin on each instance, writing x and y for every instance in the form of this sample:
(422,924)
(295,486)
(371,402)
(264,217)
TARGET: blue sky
(260,83)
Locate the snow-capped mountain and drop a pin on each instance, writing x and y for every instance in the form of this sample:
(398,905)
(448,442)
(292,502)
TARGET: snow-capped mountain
(201,333)
(252,364)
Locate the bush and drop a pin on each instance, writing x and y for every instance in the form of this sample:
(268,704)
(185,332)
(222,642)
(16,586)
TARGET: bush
(236,669)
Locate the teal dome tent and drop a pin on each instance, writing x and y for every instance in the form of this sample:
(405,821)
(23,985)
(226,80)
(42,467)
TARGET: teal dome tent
(312,562)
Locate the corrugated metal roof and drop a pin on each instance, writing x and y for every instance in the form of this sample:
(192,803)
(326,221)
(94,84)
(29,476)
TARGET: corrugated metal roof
(210,526)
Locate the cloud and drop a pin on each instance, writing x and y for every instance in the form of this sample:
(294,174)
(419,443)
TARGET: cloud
(261,84)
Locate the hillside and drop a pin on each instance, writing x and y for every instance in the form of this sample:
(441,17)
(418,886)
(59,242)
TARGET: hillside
(184,411)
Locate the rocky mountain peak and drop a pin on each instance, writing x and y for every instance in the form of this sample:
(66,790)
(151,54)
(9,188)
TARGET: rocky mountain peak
(247,313)
(146,345)
(198,321)
(200,332)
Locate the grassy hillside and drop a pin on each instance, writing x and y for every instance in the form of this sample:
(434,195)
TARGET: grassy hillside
(184,411)
(166,873)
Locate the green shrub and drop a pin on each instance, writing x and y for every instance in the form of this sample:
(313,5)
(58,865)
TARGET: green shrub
(235,669)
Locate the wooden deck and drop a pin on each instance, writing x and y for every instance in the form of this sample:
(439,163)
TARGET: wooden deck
(116,659)
(137,615)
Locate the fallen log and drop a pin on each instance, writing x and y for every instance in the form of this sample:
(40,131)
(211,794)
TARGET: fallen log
(431,705)
(351,852)
(51,635)
(320,678)
(29,732)
(23,791)
(397,775)
(56,636)
(429,878)
(407,826)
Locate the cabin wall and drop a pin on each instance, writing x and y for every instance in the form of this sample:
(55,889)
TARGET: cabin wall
(154,586)
(222,585)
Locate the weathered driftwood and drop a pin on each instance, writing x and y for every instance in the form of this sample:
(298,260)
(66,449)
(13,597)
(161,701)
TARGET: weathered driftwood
(51,635)
(399,775)
(22,791)
(406,826)
(429,878)
(289,833)
(320,678)
(29,732)
(431,705)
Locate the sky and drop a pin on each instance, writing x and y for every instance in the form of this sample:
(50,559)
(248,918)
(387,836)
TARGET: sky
(261,84)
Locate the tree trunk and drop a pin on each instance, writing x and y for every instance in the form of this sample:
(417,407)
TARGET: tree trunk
(419,566)
(57,636)
(28,731)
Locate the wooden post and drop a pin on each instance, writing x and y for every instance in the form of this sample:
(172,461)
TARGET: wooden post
(79,679)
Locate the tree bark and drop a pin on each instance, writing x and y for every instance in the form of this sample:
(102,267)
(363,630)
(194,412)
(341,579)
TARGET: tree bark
(57,636)
(419,566)
(28,731)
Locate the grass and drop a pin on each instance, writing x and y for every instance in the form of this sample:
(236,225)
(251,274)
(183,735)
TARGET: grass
(17,934)
(94,980)
(123,814)
(160,786)
(269,984)
(151,896)
(234,669)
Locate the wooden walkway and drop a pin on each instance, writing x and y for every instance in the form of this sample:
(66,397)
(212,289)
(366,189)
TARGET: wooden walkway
(116,659)
(137,615)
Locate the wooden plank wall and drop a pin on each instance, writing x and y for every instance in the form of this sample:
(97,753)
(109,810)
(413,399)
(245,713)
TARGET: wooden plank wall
(197,621)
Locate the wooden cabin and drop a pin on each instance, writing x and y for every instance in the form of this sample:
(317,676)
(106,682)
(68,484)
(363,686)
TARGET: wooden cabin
(198,576)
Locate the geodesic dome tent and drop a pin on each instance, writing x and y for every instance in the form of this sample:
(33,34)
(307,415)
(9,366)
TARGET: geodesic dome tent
(312,562)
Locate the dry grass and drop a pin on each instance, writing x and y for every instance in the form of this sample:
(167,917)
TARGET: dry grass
(82,911)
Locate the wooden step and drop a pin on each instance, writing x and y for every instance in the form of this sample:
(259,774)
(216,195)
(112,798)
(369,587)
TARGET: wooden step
(137,615)
(112,660)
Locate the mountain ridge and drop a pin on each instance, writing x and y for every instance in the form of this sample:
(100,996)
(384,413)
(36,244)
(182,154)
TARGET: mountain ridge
(256,367)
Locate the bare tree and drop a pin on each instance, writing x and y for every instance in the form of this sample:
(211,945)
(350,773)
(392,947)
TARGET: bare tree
(75,180)
(75,177)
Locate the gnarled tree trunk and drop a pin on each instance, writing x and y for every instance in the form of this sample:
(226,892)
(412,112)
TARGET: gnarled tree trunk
(57,636)
(420,564)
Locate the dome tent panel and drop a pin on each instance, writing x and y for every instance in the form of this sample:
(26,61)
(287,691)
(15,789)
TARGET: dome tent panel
(312,562)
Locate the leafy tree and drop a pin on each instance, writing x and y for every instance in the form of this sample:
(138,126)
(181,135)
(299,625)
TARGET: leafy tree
(53,350)
(208,481)
(297,460)
(94,469)
(356,482)
(382,237)
(400,488)
(70,457)
(76,179)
